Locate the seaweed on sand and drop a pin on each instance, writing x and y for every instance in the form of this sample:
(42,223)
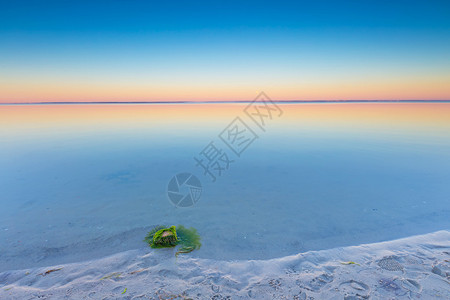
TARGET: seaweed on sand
(164,237)
(49,271)
(188,238)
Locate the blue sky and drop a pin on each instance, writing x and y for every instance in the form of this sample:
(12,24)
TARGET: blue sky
(145,50)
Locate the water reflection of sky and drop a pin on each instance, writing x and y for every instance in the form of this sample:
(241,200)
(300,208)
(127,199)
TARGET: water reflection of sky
(330,175)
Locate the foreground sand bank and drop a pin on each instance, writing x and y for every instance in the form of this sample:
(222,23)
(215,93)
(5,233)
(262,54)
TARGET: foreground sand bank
(412,268)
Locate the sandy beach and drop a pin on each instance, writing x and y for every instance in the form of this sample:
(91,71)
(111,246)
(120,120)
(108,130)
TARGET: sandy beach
(412,268)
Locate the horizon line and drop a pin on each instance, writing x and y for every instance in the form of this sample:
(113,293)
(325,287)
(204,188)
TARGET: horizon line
(220,102)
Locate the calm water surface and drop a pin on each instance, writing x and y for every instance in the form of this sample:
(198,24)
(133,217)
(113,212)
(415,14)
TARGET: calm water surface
(84,181)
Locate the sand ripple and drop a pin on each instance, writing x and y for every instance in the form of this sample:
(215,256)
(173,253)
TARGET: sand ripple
(411,268)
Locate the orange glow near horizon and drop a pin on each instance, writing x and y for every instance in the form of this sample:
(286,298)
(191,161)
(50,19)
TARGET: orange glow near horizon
(17,117)
(339,89)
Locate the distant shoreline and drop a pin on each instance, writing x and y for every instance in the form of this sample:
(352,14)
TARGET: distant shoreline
(223,102)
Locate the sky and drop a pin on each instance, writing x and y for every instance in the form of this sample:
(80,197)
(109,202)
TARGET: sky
(59,51)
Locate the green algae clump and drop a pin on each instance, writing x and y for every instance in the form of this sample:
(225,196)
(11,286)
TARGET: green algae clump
(162,237)
(165,237)
(189,239)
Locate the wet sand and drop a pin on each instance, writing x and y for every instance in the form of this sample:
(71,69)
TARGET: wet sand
(410,268)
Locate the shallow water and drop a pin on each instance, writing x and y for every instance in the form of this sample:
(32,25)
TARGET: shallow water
(84,181)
